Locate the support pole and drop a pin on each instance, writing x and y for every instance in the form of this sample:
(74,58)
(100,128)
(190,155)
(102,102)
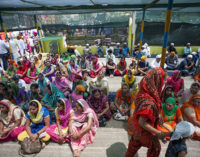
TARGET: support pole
(167,28)
(133,31)
(130,32)
(3,26)
(142,30)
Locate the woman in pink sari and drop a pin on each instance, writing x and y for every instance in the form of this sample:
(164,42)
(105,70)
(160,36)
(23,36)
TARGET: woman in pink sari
(12,120)
(59,132)
(33,72)
(76,94)
(73,69)
(84,127)
(96,67)
(176,82)
(61,83)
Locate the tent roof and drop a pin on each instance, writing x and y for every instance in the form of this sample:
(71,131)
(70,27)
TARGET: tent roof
(89,6)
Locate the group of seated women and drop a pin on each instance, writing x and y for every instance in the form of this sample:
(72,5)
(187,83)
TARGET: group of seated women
(56,109)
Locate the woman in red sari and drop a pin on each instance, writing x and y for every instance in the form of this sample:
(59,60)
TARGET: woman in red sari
(96,67)
(121,67)
(26,63)
(22,71)
(147,114)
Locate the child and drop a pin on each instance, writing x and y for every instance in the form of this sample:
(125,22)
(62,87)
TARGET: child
(177,146)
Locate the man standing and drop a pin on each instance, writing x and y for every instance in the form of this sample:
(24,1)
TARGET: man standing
(4,49)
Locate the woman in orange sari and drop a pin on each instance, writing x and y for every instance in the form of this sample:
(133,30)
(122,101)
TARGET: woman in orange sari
(147,114)
(191,113)
(171,114)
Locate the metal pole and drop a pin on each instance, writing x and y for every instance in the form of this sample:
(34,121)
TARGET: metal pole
(142,30)
(3,26)
(167,28)
(133,31)
(130,32)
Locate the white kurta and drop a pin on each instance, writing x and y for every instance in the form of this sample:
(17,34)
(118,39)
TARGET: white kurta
(14,47)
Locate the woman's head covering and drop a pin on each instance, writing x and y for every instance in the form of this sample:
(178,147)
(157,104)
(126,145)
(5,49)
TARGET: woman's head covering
(172,101)
(183,129)
(172,53)
(68,46)
(6,118)
(175,75)
(38,118)
(80,88)
(64,116)
(78,77)
(81,117)
(150,90)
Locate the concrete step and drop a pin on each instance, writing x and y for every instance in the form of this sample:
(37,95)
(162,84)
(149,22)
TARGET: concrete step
(109,142)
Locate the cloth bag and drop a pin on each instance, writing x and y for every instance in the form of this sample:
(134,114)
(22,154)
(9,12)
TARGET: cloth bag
(30,147)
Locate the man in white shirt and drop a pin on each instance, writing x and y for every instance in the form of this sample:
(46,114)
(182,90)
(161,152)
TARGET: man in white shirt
(4,49)
(21,45)
(14,48)
(156,62)
(110,55)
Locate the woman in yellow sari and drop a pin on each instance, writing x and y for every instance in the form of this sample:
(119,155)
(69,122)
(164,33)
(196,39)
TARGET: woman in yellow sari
(38,119)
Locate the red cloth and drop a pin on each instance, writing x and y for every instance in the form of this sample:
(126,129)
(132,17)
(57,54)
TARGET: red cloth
(117,73)
(148,105)
(23,72)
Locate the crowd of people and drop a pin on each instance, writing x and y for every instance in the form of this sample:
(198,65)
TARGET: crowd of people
(49,97)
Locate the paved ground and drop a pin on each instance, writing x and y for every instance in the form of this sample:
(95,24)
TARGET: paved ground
(111,141)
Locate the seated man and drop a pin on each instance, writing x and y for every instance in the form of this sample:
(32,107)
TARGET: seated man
(84,64)
(187,66)
(187,50)
(143,66)
(171,48)
(156,62)
(172,61)
(117,50)
(100,50)
(110,55)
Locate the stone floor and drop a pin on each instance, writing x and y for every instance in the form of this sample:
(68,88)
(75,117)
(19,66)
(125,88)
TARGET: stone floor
(111,141)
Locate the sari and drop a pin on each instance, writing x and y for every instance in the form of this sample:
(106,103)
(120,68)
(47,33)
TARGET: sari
(80,123)
(170,118)
(47,70)
(33,72)
(37,123)
(62,84)
(189,104)
(43,84)
(121,66)
(75,97)
(132,83)
(74,68)
(52,99)
(63,117)
(26,64)
(9,119)
(22,71)
(11,72)
(39,64)
(95,66)
(98,105)
(175,82)
(148,105)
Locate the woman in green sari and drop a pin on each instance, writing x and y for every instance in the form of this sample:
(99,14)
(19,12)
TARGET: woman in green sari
(51,98)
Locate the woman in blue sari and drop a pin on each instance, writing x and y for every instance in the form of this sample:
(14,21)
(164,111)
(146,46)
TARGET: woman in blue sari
(38,120)
(51,97)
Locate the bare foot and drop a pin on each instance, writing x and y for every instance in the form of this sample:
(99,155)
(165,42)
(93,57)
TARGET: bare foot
(43,145)
(111,76)
(75,153)
(79,153)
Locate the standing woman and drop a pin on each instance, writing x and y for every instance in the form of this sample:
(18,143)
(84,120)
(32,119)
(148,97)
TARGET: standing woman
(12,120)
(96,67)
(147,114)
(37,121)
(84,127)
(59,132)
